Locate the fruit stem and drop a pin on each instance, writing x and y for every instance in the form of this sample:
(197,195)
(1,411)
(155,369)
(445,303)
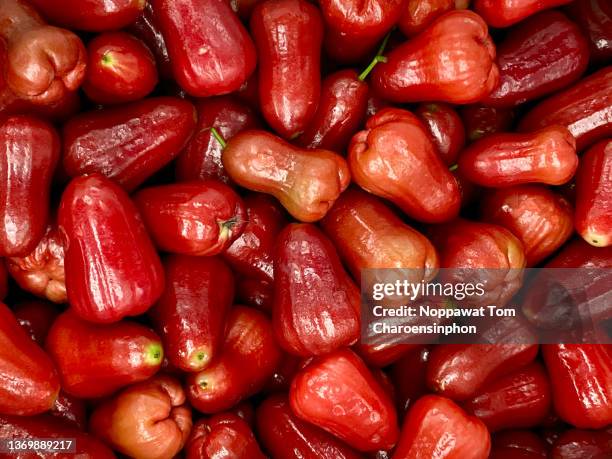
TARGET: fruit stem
(219,137)
(454,167)
(378,58)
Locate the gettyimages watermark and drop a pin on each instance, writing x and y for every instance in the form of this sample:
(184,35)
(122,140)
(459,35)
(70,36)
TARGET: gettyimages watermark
(471,306)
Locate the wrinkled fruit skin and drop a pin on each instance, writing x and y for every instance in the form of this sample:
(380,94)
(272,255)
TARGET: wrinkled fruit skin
(418,70)
(130,143)
(541,219)
(95,360)
(546,156)
(155,422)
(31,151)
(316,304)
(205,61)
(394,158)
(306,182)
(32,383)
(288,36)
(112,268)
(338,393)
(549,40)
(594,195)
(504,13)
(190,315)
(435,427)
(41,272)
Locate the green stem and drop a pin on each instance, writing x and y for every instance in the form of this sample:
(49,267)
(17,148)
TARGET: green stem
(378,58)
(219,137)
(454,167)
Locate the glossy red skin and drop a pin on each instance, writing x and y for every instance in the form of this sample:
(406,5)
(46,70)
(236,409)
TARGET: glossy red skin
(418,14)
(201,158)
(147,29)
(112,268)
(368,234)
(408,377)
(582,389)
(251,254)
(43,63)
(190,315)
(285,436)
(284,373)
(46,426)
(244,8)
(60,111)
(394,158)
(288,36)
(31,151)
(255,293)
(36,318)
(518,400)
(419,69)
(460,371)
(41,272)
(580,444)
(354,28)
(32,383)
(316,303)
(595,19)
(540,218)
(120,69)
(95,360)
(223,435)
(594,195)
(192,218)
(210,50)
(129,143)
(306,182)
(578,254)
(249,348)
(584,108)
(91,15)
(513,444)
(480,121)
(71,409)
(383,353)
(504,13)
(499,160)
(445,129)
(437,428)
(339,394)
(545,53)
(340,113)
(155,422)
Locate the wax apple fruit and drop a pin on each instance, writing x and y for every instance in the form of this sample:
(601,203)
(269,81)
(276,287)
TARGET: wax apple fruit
(445,129)
(120,69)
(286,436)
(338,393)
(36,318)
(584,108)
(306,182)
(95,360)
(453,60)
(155,423)
(582,383)
(130,143)
(368,234)
(546,156)
(595,18)
(593,196)
(480,120)
(190,315)
(201,158)
(31,151)
(249,348)
(146,28)
(193,218)
(288,35)
(210,50)
(503,13)
(32,383)
(41,272)
(394,158)
(316,303)
(112,268)
(43,63)
(437,427)
(540,218)
(418,14)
